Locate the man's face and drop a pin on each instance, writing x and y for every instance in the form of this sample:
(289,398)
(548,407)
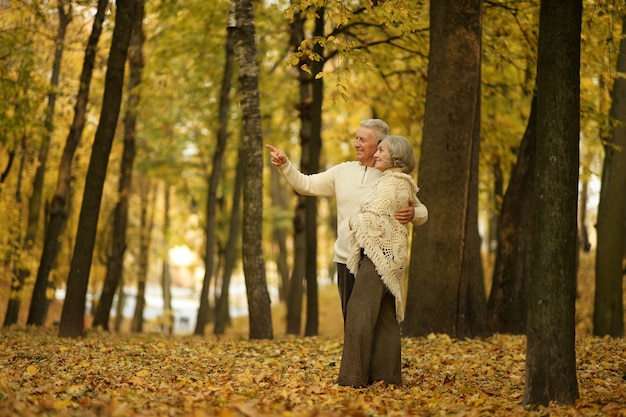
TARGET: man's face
(365,146)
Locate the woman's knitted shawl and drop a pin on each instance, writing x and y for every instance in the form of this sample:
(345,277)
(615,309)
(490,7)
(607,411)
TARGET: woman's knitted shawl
(382,238)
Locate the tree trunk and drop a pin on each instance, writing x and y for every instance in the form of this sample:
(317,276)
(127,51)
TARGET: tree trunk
(119,307)
(584,242)
(608,309)
(146,222)
(34,203)
(72,315)
(222,305)
(222,316)
(494,215)
(446,292)
(550,350)
(507,298)
(115,262)
(315,148)
(259,312)
(216,174)
(58,207)
(166,284)
(279,198)
(11,157)
(300,252)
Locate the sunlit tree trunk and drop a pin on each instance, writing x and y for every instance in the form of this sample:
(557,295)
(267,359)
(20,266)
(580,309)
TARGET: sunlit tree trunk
(72,315)
(34,203)
(115,262)
(259,312)
(446,293)
(58,207)
(608,311)
(550,349)
(507,298)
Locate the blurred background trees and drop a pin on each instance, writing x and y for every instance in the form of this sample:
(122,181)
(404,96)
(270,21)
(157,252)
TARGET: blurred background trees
(323,67)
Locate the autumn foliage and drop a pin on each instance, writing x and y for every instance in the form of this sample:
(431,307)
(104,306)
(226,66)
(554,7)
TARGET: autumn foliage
(104,374)
(141,375)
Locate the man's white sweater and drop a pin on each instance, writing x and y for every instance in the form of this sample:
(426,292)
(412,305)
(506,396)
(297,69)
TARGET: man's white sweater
(349,182)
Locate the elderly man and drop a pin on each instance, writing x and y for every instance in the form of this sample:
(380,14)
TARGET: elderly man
(348,182)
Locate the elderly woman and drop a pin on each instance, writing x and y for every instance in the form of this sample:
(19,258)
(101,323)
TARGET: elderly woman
(378,257)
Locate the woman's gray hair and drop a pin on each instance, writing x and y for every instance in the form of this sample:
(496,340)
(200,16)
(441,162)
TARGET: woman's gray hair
(401,153)
(379,127)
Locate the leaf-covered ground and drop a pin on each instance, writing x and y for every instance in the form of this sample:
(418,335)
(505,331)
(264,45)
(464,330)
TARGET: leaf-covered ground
(106,374)
(123,375)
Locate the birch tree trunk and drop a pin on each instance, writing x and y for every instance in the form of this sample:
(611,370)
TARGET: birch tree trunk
(259,312)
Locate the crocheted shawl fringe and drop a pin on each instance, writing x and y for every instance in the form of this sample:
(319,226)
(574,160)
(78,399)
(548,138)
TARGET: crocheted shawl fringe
(393,279)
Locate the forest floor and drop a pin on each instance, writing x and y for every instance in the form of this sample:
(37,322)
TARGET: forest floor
(105,374)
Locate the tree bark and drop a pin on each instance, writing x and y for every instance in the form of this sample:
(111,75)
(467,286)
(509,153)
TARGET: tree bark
(583,240)
(146,216)
(259,312)
(550,349)
(507,299)
(115,262)
(166,284)
(315,148)
(279,196)
(222,305)
(300,252)
(58,207)
(213,181)
(608,309)
(72,315)
(222,316)
(34,202)
(446,292)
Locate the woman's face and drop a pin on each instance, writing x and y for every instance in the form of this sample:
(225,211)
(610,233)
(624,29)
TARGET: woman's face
(382,157)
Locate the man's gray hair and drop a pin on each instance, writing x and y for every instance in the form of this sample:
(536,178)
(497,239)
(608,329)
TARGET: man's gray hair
(379,127)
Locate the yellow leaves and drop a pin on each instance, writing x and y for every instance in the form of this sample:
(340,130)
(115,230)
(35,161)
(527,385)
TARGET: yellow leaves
(60,405)
(149,375)
(31,370)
